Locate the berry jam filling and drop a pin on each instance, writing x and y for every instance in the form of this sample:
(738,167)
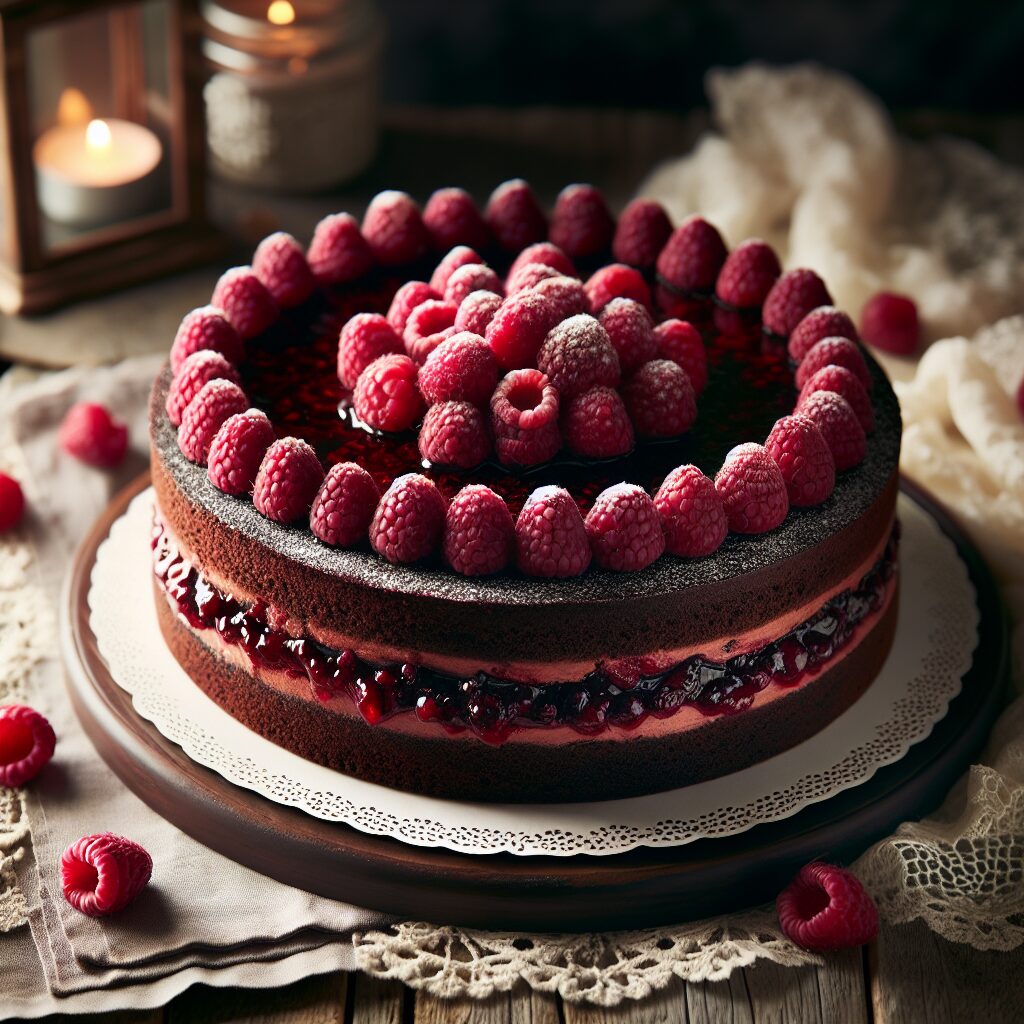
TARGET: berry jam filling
(494,708)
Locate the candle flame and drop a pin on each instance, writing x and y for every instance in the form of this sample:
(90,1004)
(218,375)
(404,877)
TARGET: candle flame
(97,136)
(280,12)
(73,107)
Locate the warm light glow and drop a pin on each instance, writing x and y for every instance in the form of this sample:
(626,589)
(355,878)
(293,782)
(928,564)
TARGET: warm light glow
(97,136)
(73,107)
(280,12)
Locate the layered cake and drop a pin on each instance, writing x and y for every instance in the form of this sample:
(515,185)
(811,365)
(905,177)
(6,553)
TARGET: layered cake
(510,506)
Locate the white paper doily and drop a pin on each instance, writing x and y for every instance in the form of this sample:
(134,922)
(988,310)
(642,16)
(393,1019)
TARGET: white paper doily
(935,640)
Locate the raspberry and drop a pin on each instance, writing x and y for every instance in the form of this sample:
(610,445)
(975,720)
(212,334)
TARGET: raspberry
(280,263)
(462,368)
(546,253)
(581,223)
(200,367)
(551,538)
(518,329)
(12,503)
(237,451)
(246,303)
(26,744)
(822,322)
(752,490)
(616,281)
(476,311)
(454,434)
(748,274)
(631,330)
(344,506)
(577,354)
(364,338)
(338,253)
(692,514)
(660,400)
(528,276)
(411,295)
(791,298)
(409,520)
(205,415)
(524,418)
(288,479)
(842,382)
(473,277)
(205,328)
(692,256)
(826,908)
(889,321)
(681,342)
(428,318)
(671,305)
(102,874)
(838,423)
(420,349)
(460,256)
(386,396)
(452,218)
(595,424)
(566,295)
(642,231)
(802,454)
(479,535)
(833,352)
(624,529)
(394,229)
(514,216)
(92,435)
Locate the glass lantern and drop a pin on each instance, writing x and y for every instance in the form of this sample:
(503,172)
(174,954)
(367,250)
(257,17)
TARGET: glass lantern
(101,183)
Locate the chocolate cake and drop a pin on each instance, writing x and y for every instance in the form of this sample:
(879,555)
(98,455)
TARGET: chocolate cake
(615,669)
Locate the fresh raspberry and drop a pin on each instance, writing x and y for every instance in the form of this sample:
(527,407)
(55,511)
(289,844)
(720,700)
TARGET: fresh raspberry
(524,418)
(834,352)
(692,257)
(566,295)
(802,454)
(364,338)
(394,229)
(237,450)
(280,263)
(631,330)
(838,423)
(459,256)
(454,434)
(641,233)
(411,295)
(476,311)
(547,253)
(842,382)
(200,367)
(386,396)
(748,274)
(92,435)
(419,350)
(247,304)
(692,514)
(288,480)
(595,424)
(479,535)
(577,354)
(616,281)
(205,328)
(102,874)
(409,520)
(428,318)
(473,277)
(581,223)
(551,538)
(681,342)
(822,322)
(518,329)
(625,529)
(791,298)
(12,502)
(752,490)
(826,908)
(514,216)
(344,506)
(889,321)
(660,401)
(338,253)
(528,276)
(462,368)
(452,218)
(206,414)
(26,744)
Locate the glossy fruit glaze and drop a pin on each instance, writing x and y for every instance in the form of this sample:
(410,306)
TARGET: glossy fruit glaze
(494,708)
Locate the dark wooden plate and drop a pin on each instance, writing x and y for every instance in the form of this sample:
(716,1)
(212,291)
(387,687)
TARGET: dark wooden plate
(641,888)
